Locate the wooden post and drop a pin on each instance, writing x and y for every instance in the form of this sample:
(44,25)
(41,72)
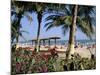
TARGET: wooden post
(32,42)
(55,42)
(43,42)
(49,42)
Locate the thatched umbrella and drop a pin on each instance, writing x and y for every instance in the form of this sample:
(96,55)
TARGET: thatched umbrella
(55,38)
(44,39)
(49,42)
(33,41)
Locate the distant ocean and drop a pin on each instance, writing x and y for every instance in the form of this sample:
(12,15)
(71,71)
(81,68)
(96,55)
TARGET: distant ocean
(65,42)
(81,42)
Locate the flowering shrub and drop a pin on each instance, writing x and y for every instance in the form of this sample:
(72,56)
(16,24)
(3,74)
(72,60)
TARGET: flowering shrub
(24,61)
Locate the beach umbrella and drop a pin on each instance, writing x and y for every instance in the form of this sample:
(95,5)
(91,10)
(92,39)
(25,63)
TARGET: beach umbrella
(55,39)
(43,40)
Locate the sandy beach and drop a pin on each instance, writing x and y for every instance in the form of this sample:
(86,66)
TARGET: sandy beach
(61,50)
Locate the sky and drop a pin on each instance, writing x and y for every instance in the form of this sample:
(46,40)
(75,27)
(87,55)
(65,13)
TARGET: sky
(32,27)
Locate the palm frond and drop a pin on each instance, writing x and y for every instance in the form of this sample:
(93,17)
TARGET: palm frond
(47,24)
(23,31)
(49,27)
(86,28)
(65,29)
(52,17)
(30,19)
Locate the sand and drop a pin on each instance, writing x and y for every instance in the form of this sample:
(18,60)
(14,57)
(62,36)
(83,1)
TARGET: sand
(83,52)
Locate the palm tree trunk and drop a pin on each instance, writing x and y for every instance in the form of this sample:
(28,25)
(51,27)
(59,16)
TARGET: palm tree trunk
(70,50)
(75,37)
(39,16)
(17,43)
(18,30)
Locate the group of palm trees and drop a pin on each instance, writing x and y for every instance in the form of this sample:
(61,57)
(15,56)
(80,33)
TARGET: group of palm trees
(69,17)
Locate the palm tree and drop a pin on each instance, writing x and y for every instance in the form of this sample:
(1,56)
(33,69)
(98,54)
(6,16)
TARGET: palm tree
(15,26)
(74,16)
(16,32)
(72,32)
(18,14)
(40,9)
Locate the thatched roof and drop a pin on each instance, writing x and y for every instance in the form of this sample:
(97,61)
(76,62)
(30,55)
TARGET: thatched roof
(54,38)
(45,38)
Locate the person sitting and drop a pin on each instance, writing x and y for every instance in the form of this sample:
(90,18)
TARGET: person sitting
(53,52)
(76,46)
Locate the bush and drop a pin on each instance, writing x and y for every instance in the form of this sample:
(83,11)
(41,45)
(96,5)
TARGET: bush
(78,63)
(24,61)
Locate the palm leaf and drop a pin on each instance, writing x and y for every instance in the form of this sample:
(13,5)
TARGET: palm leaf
(49,27)
(86,28)
(65,29)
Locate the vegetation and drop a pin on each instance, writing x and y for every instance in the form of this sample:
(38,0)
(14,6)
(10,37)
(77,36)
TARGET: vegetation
(26,61)
(17,14)
(69,17)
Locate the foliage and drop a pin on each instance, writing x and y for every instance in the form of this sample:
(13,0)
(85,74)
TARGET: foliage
(24,61)
(78,63)
(85,19)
